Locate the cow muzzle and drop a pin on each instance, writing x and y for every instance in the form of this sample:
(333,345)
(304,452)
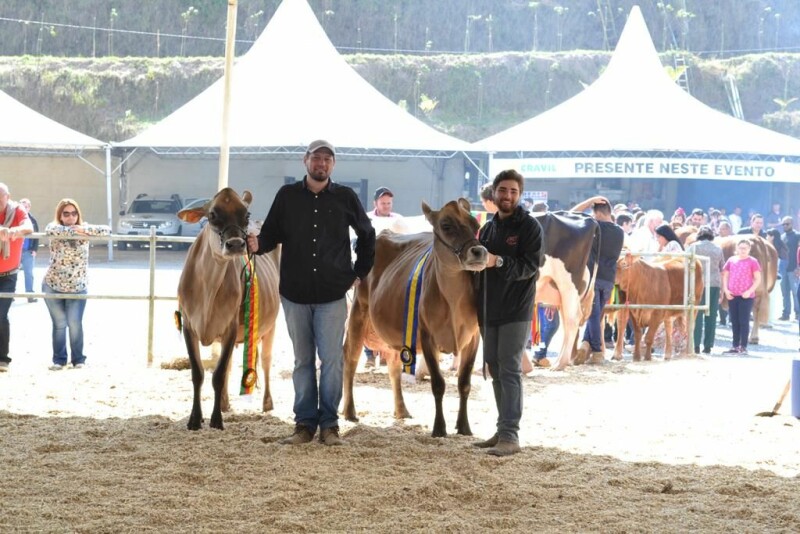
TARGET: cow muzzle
(475,258)
(235,245)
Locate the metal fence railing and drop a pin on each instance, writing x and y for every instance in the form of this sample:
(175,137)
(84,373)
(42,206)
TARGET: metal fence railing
(153,241)
(688,307)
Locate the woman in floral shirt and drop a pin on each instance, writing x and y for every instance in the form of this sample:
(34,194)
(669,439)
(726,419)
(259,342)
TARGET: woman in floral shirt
(66,273)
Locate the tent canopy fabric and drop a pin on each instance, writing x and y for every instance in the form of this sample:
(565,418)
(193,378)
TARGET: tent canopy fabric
(635,108)
(23,130)
(290,88)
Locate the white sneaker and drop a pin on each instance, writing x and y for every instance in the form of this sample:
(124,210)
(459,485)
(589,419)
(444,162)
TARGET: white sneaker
(79,366)
(56,367)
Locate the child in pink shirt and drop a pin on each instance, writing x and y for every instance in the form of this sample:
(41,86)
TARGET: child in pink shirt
(741,275)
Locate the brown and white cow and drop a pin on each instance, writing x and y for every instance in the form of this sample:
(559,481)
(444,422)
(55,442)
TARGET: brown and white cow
(564,280)
(767,257)
(211,297)
(658,283)
(448,319)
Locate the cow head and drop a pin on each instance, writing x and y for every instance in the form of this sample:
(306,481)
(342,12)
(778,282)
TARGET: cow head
(456,229)
(624,263)
(228,217)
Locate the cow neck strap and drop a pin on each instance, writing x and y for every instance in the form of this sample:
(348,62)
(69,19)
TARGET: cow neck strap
(408,354)
(454,250)
(251,320)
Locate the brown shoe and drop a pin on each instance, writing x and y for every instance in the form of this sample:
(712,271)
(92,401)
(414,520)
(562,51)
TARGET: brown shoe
(330,436)
(302,434)
(491,442)
(504,448)
(542,362)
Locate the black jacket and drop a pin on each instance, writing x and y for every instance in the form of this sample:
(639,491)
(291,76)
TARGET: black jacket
(313,230)
(510,289)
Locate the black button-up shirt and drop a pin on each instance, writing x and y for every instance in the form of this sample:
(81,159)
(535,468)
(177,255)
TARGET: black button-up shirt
(313,230)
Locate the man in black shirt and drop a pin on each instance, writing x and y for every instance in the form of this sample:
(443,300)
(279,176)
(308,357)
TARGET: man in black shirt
(605,254)
(311,220)
(508,286)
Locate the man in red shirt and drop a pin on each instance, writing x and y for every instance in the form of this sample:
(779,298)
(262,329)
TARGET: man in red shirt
(14,226)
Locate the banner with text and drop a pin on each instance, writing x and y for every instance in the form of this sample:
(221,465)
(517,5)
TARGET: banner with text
(712,169)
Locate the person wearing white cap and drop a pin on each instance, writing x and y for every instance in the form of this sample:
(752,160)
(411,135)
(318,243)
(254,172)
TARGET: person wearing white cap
(311,219)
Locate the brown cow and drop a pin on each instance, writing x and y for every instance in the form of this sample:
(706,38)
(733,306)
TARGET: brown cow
(659,283)
(211,296)
(448,319)
(767,257)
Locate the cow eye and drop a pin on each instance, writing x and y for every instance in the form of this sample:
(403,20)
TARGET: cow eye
(212,216)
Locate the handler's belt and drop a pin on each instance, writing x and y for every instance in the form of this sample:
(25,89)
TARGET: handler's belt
(408,354)
(9,273)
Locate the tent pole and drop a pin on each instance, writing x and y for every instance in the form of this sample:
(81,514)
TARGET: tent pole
(108,201)
(230,45)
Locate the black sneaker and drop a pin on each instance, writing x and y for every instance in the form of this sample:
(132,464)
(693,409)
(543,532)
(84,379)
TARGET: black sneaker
(732,350)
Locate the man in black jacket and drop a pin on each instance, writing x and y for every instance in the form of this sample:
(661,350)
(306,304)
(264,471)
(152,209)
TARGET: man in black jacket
(311,220)
(508,286)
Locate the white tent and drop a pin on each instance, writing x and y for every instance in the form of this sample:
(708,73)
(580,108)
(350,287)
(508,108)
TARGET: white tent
(23,130)
(41,159)
(635,121)
(290,88)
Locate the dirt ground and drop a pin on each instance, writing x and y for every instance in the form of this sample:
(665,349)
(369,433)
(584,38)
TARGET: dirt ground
(658,446)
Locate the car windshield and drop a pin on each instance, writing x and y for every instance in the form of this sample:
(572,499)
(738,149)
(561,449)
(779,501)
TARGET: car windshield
(154,206)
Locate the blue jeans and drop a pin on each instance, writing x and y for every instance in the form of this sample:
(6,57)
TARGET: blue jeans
(502,346)
(547,330)
(316,328)
(8,284)
(594,326)
(66,314)
(789,292)
(28,259)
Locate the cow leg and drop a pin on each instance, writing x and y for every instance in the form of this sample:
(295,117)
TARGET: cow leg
(198,374)
(395,377)
(652,328)
(760,307)
(669,327)
(437,382)
(220,377)
(224,401)
(568,313)
(467,362)
(622,322)
(266,363)
(637,341)
(353,343)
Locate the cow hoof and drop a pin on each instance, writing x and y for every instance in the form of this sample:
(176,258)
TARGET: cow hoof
(617,357)
(400,415)
(582,353)
(753,341)
(194,425)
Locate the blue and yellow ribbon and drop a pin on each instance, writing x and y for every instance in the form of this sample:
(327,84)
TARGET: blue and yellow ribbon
(408,354)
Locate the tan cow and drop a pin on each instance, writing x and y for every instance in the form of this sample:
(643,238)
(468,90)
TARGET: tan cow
(657,283)
(767,257)
(211,297)
(448,320)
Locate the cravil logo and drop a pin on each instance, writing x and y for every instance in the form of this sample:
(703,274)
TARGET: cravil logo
(537,168)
